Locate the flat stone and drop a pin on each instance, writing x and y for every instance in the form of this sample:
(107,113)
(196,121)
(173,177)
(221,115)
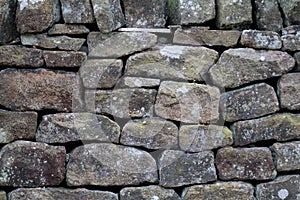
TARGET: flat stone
(122,103)
(248,65)
(68,29)
(288,90)
(291,42)
(101,73)
(60,42)
(249,102)
(197,138)
(177,168)
(279,127)
(245,163)
(8,29)
(187,102)
(17,125)
(261,39)
(297,58)
(119,44)
(68,127)
(60,193)
(220,190)
(151,133)
(133,82)
(19,56)
(3,195)
(104,164)
(284,187)
(66,59)
(234,14)
(32,164)
(77,11)
(290,9)
(293,30)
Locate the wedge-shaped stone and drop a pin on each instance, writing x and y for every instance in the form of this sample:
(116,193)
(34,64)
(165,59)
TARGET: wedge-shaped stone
(244,65)
(8,29)
(68,29)
(64,59)
(105,164)
(261,39)
(77,11)
(289,90)
(290,10)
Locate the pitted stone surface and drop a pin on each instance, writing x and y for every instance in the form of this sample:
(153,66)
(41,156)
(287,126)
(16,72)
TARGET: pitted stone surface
(289,90)
(66,59)
(68,29)
(261,39)
(136,82)
(77,11)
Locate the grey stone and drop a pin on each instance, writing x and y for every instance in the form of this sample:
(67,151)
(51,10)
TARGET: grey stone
(187,102)
(177,168)
(8,29)
(66,59)
(291,42)
(68,29)
(288,90)
(245,163)
(261,39)
(77,11)
(291,11)
(67,127)
(32,164)
(297,58)
(110,165)
(293,30)
(248,65)
(3,195)
(133,82)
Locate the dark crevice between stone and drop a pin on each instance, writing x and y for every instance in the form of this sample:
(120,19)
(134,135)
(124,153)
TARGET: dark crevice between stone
(42,113)
(92,27)
(8,189)
(254,21)
(283,16)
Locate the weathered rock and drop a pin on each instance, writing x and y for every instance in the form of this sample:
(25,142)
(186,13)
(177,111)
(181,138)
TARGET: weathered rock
(247,65)
(119,44)
(261,39)
(293,30)
(291,42)
(110,165)
(3,195)
(108,14)
(19,56)
(235,14)
(279,127)
(31,164)
(220,190)
(187,102)
(200,36)
(177,168)
(68,29)
(101,73)
(290,10)
(60,193)
(67,127)
(153,192)
(297,58)
(284,187)
(60,42)
(196,138)
(77,11)
(64,58)
(152,133)
(133,82)
(122,103)
(249,102)
(172,62)
(289,89)
(245,163)
(8,29)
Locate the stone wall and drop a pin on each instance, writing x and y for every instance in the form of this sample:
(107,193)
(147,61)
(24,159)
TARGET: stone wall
(129,100)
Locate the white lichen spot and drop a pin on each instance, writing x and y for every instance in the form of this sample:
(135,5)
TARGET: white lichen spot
(155,198)
(172,51)
(262,58)
(283,193)
(25,3)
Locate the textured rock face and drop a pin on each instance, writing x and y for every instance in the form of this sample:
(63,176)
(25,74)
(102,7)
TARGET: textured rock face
(220,190)
(289,89)
(31,164)
(7,21)
(133,82)
(68,29)
(77,11)
(247,65)
(187,102)
(245,164)
(66,59)
(108,165)
(261,39)
(177,168)
(290,10)
(291,42)
(3,195)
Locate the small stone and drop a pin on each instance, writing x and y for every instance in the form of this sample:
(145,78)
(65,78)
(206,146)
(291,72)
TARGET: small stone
(103,164)
(3,195)
(134,82)
(177,168)
(291,30)
(220,190)
(197,138)
(288,90)
(187,102)
(261,39)
(297,58)
(77,11)
(8,29)
(245,163)
(291,42)
(290,9)
(66,59)
(68,29)
(32,164)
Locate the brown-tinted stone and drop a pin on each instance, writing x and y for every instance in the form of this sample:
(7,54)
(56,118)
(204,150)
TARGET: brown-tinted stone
(8,29)
(289,90)
(77,11)
(31,164)
(64,58)
(245,164)
(261,39)
(105,164)
(68,29)
(291,11)
(133,82)
(291,42)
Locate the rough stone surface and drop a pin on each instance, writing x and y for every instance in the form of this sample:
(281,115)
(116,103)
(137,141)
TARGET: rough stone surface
(261,39)
(119,44)
(66,59)
(284,187)
(245,163)
(101,73)
(196,138)
(279,127)
(67,127)
(8,29)
(77,11)
(247,65)
(152,133)
(60,193)
(133,82)
(3,195)
(177,168)
(291,11)
(152,192)
(31,164)
(110,165)
(172,62)
(68,29)
(187,102)
(220,190)
(289,89)
(291,42)
(293,30)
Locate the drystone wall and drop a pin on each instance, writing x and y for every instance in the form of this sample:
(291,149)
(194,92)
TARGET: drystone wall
(154,100)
